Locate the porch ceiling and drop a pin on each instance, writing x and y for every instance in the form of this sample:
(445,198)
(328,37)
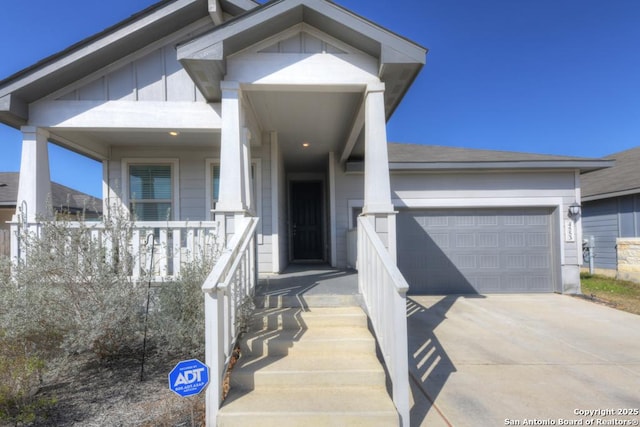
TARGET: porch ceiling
(97,143)
(321,119)
(148,137)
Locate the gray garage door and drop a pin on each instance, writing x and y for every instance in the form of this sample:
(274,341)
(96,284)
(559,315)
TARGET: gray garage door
(462,251)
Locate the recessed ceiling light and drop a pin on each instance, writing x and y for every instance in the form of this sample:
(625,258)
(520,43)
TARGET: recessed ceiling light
(306,144)
(173,133)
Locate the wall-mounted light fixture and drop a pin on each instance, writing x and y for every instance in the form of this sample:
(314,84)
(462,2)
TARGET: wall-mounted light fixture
(574,210)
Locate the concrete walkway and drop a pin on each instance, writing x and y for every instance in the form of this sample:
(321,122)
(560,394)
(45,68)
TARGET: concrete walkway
(309,279)
(309,285)
(503,360)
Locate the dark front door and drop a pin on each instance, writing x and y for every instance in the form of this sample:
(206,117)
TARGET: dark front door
(306,220)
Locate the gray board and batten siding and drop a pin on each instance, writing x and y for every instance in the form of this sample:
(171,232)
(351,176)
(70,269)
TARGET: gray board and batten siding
(608,219)
(477,251)
(611,205)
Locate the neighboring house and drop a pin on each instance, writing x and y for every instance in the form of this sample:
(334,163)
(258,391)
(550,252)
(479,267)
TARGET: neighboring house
(278,111)
(611,215)
(64,200)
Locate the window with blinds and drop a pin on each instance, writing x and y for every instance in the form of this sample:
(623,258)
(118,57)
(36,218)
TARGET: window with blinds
(216,183)
(150,192)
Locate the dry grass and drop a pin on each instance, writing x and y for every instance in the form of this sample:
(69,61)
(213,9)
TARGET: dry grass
(620,294)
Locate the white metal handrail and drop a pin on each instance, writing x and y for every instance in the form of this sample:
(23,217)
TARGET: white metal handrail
(175,242)
(229,286)
(384,290)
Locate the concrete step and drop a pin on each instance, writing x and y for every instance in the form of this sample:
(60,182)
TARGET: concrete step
(320,341)
(306,301)
(308,367)
(340,370)
(309,407)
(299,318)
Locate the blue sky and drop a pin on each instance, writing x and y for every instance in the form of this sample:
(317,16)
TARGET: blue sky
(542,76)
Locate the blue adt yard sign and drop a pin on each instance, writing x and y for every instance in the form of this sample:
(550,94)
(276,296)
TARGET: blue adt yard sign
(189,377)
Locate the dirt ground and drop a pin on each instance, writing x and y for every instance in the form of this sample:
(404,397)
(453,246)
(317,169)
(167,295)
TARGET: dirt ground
(89,393)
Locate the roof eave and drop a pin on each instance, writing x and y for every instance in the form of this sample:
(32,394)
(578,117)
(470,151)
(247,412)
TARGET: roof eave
(401,60)
(610,195)
(13,111)
(581,165)
(89,55)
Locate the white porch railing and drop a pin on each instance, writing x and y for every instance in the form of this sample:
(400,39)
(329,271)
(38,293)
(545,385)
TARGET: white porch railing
(174,243)
(228,291)
(384,290)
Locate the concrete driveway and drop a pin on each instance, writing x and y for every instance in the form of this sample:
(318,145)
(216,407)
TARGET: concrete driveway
(522,360)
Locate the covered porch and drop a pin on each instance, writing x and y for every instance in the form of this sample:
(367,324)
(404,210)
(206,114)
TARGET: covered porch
(266,134)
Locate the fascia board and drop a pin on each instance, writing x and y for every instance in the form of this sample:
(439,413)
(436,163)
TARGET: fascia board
(402,48)
(374,31)
(621,193)
(515,165)
(241,4)
(549,164)
(191,49)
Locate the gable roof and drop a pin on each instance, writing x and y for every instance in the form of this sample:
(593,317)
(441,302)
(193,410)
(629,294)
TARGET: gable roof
(96,52)
(620,180)
(418,157)
(63,197)
(204,57)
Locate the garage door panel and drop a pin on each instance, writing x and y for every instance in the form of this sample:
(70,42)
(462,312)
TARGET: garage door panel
(514,240)
(476,250)
(540,240)
(488,240)
(539,262)
(515,262)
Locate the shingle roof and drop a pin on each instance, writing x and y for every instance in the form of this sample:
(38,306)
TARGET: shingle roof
(436,153)
(435,157)
(623,178)
(62,197)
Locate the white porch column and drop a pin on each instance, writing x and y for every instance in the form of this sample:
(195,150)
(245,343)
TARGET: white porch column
(377,183)
(232,200)
(231,151)
(34,188)
(245,135)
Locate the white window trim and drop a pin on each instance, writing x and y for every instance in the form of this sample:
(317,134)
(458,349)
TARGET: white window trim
(257,164)
(175,181)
